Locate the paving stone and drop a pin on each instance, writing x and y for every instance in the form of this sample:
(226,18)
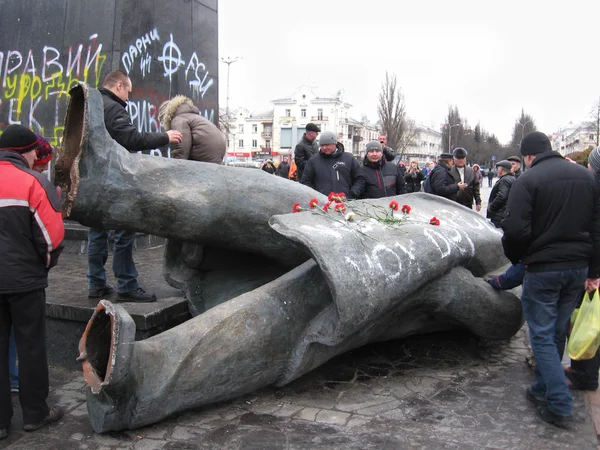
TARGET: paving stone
(307,414)
(332,417)
(186,433)
(358,421)
(379,409)
(350,407)
(288,410)
(149,444)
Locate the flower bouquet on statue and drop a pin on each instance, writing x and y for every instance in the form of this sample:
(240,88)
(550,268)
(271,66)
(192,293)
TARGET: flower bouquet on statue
(339,210)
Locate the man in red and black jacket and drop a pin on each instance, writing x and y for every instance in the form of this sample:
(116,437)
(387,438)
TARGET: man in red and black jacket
(31,232)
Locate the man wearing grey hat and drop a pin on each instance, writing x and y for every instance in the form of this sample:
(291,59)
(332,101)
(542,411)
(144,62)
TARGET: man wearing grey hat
(380,178)
(496,210)
(441,181)
(332,169)
(306,148)
(463,173)
(553,227)
(515,161)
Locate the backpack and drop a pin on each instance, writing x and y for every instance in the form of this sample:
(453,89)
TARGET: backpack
(426,186)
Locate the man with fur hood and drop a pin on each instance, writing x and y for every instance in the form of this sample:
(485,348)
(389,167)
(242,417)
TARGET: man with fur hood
(202,140)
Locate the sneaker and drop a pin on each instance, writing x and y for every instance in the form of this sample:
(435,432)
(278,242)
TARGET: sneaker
(3,433)
(54,415)
(14,390)
(137,295)
(101,292)
(535,399)
(544,413)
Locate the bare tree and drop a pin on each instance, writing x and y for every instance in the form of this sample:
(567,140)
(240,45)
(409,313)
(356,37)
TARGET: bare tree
(452,130)
(523,126)
(393,118)
(409,136)
(594,124)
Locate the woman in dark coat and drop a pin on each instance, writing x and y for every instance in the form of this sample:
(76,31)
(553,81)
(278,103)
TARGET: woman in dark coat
(413,177)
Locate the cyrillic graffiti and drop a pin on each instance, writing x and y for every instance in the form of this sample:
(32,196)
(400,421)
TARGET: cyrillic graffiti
(35,82)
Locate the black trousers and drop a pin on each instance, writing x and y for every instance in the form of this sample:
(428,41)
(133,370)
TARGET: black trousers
(26,313)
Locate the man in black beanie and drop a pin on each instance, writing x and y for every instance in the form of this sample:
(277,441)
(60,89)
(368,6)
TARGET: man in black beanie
(30,241)
(306,148)
(553,227)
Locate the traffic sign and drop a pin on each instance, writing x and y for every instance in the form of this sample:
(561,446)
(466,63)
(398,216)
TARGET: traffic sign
(493,158)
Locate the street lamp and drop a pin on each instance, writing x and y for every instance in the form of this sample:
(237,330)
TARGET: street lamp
(450,136)
(523,126)
(229,61)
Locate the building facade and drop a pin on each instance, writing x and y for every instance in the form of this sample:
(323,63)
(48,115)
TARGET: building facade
(575,137)
(426,145)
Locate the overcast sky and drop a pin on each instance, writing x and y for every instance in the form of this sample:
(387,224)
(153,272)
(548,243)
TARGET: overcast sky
(488,59)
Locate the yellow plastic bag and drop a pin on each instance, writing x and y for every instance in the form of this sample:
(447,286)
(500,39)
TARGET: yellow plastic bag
(585,336)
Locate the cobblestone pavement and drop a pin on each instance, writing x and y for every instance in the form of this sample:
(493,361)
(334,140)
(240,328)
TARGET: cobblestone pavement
(440,391)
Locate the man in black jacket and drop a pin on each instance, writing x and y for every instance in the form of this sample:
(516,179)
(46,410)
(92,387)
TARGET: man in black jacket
(333,170)
(553,227)
(441,181)
(388,152)
(306,149)
(115,94)
(515,161)
(379,177)
(498,200)
(461,172)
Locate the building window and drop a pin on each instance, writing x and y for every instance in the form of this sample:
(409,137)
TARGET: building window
(268,143)
(319,114)
(591,137)
(254,143)
(303,113)
(254,128)
(288,112)
(242,128)
(241,143)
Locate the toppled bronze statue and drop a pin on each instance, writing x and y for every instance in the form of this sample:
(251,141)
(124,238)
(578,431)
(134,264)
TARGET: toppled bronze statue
(331,285)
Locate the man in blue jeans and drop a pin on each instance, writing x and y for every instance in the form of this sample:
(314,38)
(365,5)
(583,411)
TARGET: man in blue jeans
(552,227)
(115,91)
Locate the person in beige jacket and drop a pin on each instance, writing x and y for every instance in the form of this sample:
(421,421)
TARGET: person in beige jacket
(202,140)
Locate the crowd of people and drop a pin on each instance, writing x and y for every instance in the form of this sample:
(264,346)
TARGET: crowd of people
(549,216)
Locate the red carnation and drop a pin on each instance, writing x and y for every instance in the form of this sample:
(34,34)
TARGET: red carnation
(326,206)
(313,203)
(394,205)
(330,196)
(297,208)
(340,207)
(434,221)
(406,209)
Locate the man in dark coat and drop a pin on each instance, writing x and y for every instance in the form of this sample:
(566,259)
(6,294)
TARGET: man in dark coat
(552,226)
(388,152)
(115,91)
(379,177)
(516,166)
(333,170)
(461,172)
(498,200)
(441,181)
(306,148)
(284,168)
(30,242)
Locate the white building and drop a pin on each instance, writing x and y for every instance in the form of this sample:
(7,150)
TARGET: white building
(250,136)
(575,137)
(426,146)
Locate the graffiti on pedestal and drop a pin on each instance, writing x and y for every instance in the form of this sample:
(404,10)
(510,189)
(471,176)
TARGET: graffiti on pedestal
(34,82)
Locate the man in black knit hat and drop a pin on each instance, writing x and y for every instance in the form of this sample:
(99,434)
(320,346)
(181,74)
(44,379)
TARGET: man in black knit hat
(553,227)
